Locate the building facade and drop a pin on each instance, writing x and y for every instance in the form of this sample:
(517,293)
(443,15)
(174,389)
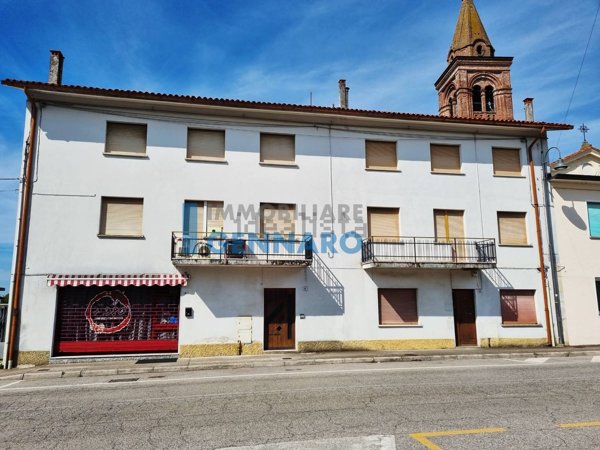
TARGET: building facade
(169,224)
(576,199)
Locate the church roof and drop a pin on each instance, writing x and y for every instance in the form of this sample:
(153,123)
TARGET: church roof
(469,27)
(586,148)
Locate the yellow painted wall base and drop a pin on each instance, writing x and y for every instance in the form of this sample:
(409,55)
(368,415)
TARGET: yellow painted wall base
(512,342)
(227,349)
(389,344)
(35,358)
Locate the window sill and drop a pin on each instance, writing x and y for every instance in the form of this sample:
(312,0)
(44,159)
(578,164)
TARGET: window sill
(509,176)
(516,245)
(279,164)
(126,155)
(402,325)
(522,325)
(208,160)
(440,172)
(382,169)
(116,236)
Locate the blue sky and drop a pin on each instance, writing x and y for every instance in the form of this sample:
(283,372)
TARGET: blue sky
(390,51)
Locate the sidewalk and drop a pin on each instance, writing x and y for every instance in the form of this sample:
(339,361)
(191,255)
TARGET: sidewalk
(161,364)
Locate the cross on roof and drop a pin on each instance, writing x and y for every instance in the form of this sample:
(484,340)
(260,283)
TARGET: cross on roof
(584,130)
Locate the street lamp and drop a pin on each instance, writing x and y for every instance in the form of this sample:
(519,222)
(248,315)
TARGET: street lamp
(560,165)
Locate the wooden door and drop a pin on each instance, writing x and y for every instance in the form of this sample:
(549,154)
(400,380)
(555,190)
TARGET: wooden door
(464,316)
(280,319)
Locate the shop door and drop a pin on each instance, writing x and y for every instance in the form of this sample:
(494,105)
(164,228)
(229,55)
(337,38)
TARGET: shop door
(280,318)
(464,316)
(116,319)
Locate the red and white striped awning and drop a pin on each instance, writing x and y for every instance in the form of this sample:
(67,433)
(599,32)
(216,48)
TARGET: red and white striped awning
(142,279)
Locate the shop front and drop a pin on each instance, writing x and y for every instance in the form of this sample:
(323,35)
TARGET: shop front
(116,314)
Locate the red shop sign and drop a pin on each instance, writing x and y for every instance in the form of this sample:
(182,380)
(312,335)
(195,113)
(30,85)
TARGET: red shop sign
(108,312)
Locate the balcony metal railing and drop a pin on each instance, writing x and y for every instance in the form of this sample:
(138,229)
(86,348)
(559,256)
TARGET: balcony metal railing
(241,248)
(428,251)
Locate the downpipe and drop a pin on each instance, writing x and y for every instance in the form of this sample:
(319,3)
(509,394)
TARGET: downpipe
(538,228)
(17,285)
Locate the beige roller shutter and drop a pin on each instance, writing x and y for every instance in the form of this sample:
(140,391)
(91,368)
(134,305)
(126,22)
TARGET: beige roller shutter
(445,158)
(398,306)
(214,216)
(278,218)
(449,224)
(383,222)
(512,228)
(381,155)
(506,161)
(277,148)
(206,144)
(126,138)
(121,216)
(518,306)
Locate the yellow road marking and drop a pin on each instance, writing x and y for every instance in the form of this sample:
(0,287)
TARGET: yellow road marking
(423,438)
(579,425)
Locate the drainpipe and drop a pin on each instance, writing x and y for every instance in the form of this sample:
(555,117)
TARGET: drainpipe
(27,186)
(560,337)
(538,228)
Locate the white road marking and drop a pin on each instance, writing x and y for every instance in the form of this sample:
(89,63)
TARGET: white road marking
(106,384)
(10,384)
(536,360)
(374,442)
(596,359)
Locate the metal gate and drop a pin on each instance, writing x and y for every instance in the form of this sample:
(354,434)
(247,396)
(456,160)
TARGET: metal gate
(113,320)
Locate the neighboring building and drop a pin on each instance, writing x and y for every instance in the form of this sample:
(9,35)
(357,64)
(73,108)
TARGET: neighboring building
(576,195)
(157,223)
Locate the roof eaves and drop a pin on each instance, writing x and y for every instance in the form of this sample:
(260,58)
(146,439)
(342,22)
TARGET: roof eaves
(210,101)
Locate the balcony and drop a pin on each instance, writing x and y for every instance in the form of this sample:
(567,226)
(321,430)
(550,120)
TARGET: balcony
(241,249)
(432,253)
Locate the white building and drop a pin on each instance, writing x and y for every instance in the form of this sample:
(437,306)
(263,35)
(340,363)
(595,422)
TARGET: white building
(576,194)
(132,190)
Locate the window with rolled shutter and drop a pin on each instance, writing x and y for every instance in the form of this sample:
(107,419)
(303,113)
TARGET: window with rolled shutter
(383,222)
(206,144)
(203,217)
(278,219)
(506,162)
(445,158)
(449,224)
(398,307)
(381,155)
(512,228)
(214,216)
(125,139)
(518,307)
(121,216)
(277,148)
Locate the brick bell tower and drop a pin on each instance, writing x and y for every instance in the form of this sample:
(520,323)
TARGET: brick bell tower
(476,83)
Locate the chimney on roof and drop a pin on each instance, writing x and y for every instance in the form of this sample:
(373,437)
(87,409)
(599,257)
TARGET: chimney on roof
(343,94)
(56,67)
(528,102)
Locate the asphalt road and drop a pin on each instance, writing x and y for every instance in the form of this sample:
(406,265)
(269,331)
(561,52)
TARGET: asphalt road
(474,404)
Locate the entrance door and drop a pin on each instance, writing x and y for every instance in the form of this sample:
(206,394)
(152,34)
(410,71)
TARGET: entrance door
(464,316)
(280,318)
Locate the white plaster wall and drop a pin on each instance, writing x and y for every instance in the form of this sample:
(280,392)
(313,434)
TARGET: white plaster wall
(579,264)
(63,234)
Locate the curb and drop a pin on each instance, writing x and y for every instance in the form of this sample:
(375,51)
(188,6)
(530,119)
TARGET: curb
(77,373)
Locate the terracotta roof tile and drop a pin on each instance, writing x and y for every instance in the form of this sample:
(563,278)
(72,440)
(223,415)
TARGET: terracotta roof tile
(210,101)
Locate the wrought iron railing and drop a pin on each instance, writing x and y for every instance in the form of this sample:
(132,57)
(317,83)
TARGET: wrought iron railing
(428,250)
(242,248)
